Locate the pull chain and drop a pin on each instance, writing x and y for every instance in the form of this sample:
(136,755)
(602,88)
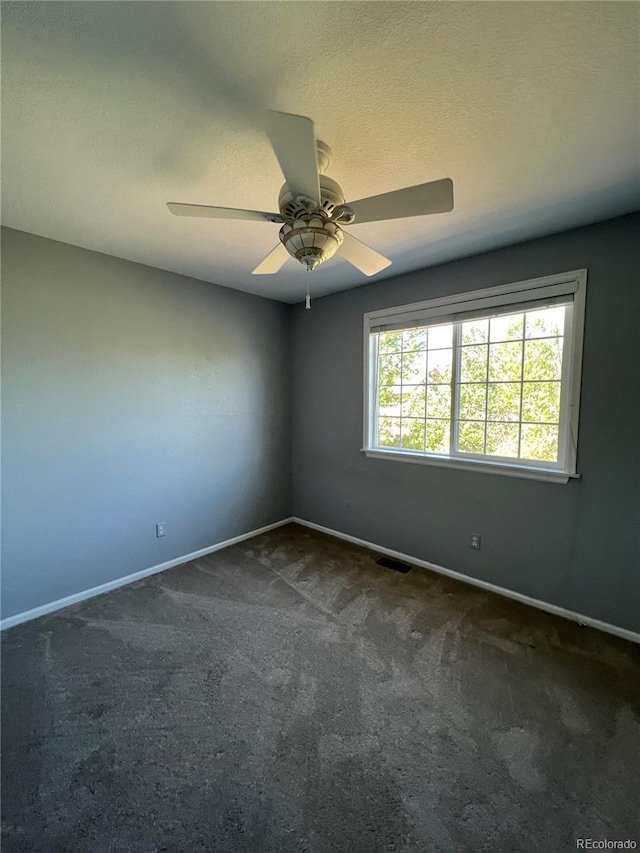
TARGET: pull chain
(308,299)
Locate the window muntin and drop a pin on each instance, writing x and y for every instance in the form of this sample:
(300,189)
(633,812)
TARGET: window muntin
(497,387)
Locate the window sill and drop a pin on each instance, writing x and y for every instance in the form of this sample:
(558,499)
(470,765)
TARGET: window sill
(478,466)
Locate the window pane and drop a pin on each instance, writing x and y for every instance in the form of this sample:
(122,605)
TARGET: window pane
(471,437)
(473,402)
(475,331)
(413,339)
(413,401)
(413,434)
(539,441)
(473,364)
(505,362)
(502,440)
(440,336)
(544,323)
(503,403)
(541,402)
(414,367)
(439,366)
(508,328)
(439,401)
(389,399)
(389,432)
(390,341)
(437,436)
(543,359)
(389,368)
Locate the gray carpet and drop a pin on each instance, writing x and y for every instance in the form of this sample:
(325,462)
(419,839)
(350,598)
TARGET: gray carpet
(288,694)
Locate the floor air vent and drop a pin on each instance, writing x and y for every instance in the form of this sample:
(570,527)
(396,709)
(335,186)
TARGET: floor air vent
(396,565)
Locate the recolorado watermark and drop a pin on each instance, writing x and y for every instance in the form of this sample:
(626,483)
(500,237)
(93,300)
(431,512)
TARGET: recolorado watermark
(605,844)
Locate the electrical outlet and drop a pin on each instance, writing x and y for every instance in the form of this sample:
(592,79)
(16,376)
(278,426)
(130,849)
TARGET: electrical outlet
(160,529)
(347,506)
(474,541)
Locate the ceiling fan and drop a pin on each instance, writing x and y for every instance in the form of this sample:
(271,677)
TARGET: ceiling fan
(312,205)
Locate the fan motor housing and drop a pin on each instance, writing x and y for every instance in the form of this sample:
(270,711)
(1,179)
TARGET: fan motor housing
(331,196)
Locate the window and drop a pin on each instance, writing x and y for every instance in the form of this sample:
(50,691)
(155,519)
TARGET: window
(488,380)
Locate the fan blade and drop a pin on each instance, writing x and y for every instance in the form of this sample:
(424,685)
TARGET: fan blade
(294,141)
(272,263)
(179,209)
(434,197)
(363,257)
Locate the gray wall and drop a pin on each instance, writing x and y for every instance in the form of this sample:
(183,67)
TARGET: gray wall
(131,396)
(574,545)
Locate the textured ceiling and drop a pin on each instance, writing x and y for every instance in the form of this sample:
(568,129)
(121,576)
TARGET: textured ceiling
(111,109)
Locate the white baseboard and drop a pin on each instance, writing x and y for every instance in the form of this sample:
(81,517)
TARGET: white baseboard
(500,590)
(52,606)
(27,615)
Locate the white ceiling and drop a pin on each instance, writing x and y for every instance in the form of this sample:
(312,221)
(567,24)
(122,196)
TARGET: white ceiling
(111,109)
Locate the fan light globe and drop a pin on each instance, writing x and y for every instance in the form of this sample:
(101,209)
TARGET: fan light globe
(311,239)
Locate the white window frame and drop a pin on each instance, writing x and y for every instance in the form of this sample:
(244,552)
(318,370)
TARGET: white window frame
(453,309)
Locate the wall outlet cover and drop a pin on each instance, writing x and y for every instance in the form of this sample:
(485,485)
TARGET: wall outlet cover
(474,541)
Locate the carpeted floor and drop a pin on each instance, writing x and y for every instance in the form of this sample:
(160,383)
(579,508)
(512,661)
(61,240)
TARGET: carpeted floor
(288,694)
